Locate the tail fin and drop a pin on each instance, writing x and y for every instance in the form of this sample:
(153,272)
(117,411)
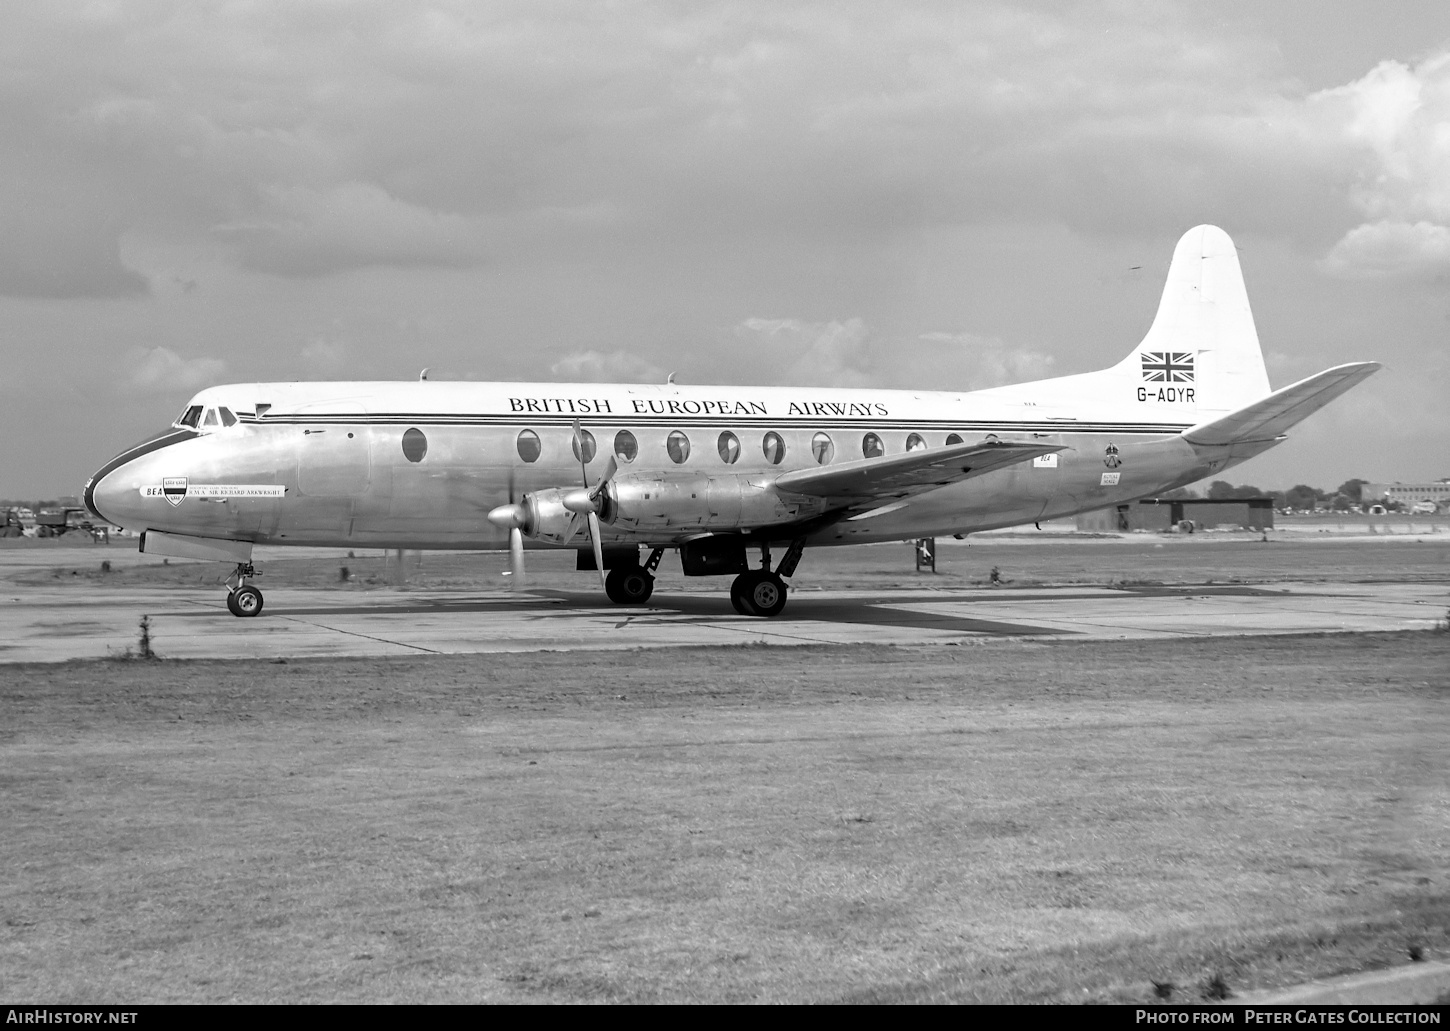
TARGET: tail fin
(1202,344)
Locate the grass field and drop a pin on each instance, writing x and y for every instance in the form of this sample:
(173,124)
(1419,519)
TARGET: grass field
(1054,822)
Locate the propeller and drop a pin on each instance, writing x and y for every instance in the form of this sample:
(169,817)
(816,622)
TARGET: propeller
(586,501)
(512,517)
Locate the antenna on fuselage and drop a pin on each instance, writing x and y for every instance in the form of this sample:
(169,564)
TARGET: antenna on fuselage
(670,380)
(423,376)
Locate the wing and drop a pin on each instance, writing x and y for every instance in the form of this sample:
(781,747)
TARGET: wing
(891,477)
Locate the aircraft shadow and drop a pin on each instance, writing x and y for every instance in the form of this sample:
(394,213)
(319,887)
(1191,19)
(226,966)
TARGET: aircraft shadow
(665,608)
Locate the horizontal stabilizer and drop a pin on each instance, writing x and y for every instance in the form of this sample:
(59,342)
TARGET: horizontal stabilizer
(1271,417)
(900,476)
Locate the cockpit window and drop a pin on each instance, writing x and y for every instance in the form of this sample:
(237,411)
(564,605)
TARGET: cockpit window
(211,419)
(228,419)
(190,417)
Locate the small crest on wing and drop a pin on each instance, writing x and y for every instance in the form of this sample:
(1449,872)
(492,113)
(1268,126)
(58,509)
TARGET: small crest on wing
(1167,366)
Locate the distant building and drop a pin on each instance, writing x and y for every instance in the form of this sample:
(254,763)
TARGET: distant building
(1409,494)
(1160,515)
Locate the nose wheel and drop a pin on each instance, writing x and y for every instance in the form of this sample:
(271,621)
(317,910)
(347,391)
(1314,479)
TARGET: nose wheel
(243,599)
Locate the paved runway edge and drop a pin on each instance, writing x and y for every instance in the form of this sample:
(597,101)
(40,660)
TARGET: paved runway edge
(58,624)
(1418,984)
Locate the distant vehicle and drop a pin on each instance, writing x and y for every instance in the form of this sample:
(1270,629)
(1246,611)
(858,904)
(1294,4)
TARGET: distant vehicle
(56,522)
(1423,508)
(12,527)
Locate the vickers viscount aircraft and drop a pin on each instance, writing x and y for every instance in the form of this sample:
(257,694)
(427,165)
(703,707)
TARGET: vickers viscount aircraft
(713,472)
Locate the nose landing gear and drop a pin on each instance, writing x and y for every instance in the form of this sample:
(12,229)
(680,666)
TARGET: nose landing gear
(242,598)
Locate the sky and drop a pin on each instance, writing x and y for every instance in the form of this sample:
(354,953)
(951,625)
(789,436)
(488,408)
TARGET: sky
(896,194)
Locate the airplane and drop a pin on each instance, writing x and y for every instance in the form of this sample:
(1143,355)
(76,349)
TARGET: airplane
(713,472)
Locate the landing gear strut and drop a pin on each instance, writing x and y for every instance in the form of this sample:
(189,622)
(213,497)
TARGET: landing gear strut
(760,592)
(242,598)
(632,585)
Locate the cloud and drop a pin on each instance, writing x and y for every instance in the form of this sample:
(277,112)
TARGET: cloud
(1394,120)
(1381,249)
(966,361)
(847,353)
(616,367)
(827,354)
(61,250)
(322,356)
(161,370)
(309,232)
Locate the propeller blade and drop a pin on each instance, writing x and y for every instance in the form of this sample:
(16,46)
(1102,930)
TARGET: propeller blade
(575,523)
(516,558)
(579,450)
(610,468)
(598,548)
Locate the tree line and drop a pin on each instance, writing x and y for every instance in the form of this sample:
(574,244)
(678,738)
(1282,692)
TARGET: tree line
(1346,496)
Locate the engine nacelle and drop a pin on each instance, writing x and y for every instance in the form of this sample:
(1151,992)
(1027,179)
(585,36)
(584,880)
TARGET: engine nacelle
(546,518)
(700,502)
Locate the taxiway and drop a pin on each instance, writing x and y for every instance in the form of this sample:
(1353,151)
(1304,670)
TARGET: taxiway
(55,624)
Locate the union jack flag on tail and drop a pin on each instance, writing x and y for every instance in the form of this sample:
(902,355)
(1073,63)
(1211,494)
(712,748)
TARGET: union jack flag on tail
(1168,366)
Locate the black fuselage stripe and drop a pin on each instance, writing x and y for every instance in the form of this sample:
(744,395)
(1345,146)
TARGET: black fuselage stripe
(839,425)
(163,439)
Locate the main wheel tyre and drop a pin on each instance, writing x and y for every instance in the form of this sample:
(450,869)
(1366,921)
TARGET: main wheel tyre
(739,596)
(245,601)
(766,594)
(629,586)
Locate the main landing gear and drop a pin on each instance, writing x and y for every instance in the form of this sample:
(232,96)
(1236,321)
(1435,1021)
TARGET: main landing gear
(760,592)
(242,598)
(632,585)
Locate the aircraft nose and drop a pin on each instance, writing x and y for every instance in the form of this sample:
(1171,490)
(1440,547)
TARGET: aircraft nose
(110,495)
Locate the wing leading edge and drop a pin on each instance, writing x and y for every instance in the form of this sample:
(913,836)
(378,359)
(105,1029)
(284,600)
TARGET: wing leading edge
(892,477)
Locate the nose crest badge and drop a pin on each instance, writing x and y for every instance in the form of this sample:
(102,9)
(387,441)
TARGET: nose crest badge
(173,488)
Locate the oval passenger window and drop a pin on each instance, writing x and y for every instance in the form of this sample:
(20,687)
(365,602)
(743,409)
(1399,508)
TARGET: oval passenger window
(871,446)
(915,443)
(625,446)
(529,446)
(953,438)
(729,446)
(823,448)
(590,447)
(415,445)
(678,445)
(774,448)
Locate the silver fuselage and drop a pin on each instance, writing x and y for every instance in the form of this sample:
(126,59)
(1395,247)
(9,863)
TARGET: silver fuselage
(333,460)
